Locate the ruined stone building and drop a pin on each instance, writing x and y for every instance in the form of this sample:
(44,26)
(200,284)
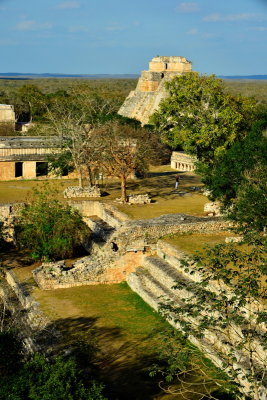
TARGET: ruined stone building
(25,156)
(7,119)
(144,100)
(182,161)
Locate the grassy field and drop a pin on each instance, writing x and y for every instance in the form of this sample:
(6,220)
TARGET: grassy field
(159,185)
(192,243)
(125,329)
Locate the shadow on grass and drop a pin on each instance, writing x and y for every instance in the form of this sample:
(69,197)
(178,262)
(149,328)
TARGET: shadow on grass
(120,364)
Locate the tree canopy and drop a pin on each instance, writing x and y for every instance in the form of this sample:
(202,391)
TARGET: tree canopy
(239,177)
(200,118)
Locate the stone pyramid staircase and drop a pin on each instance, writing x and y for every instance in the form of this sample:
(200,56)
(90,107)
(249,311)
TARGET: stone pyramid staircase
(154,282)
(155,279)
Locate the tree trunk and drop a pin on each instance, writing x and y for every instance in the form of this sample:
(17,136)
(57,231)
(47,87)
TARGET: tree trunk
(123,189)
(80,177)
(90,176)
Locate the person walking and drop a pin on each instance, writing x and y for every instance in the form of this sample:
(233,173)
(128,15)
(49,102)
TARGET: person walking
(177,181)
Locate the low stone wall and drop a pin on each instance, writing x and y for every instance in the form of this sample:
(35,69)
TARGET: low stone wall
(213,208)
(138,199)
(8,217)
(10,209)
(151,230)
(77,191)
(36,319)
(106,212)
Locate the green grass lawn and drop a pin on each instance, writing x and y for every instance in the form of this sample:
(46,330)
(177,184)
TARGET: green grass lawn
(125,329)
(159,184)
(192,243)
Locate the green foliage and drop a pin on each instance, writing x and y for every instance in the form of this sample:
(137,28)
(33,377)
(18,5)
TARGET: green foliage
(39,379)
(199,117)
(61,164)
(183,370)
(233,312)
(238,178)
(50,229)
(11,352)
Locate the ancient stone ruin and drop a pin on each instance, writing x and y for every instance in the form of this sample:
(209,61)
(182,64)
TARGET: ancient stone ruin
(7,119)
(77,191)
(26,156)
(182,161)
(144,100)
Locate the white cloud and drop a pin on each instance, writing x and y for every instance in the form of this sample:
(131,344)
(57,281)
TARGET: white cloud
(187,7)
(69,4)
(31,25)
(234,17)
(113,27)
(258,28)
(193,31)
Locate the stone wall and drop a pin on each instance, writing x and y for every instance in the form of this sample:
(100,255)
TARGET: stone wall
(8,217)
(77,191)
(21,156)
(149,231)
(144,100)
(7,120)
(111,215)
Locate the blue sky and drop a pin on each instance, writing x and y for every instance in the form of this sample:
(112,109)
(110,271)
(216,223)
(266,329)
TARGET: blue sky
(224,37)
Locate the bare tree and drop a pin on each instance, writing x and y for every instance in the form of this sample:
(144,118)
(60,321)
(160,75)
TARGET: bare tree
(74,121)
(123,149)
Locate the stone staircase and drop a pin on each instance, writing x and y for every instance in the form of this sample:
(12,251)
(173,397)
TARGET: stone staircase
(101,230)
(154,282)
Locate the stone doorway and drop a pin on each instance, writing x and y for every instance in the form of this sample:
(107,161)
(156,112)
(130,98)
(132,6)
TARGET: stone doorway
(18,169)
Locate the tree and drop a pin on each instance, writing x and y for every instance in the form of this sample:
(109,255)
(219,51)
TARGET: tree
(124,149)
(39,379)
(30,103)
(183,370)
(227,304)
(199,117)
(50,229)
(238,178)
(74,120)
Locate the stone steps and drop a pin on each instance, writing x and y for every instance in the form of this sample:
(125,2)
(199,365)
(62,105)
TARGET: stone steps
(166,274)
(101,231)
(154,282)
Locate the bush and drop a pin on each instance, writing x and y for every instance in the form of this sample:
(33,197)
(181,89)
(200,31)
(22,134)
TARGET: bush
(49,228)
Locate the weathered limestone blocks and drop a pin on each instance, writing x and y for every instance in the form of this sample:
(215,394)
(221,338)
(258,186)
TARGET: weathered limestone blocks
(154,281)
(138,199)
(170,64)
(7,120)
(144,100)
(155,228)
(234,239)
(8,218)
(106,212)
(77,191)
(213,208)
(54,275)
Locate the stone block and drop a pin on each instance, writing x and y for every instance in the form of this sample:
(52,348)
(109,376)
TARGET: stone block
(77,191)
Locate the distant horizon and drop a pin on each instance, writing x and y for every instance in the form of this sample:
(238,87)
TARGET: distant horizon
(132,75)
